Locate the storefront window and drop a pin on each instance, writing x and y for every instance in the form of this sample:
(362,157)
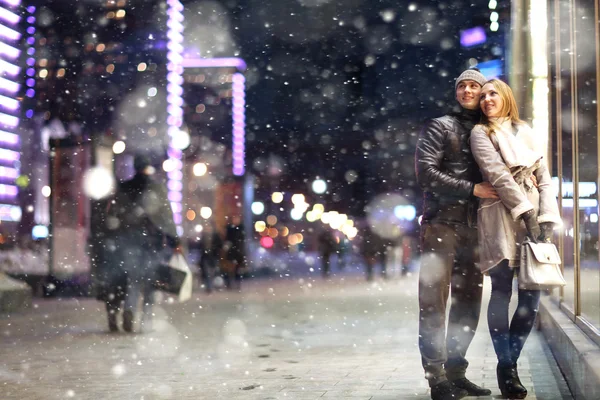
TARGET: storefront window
(587,126)
(564,137)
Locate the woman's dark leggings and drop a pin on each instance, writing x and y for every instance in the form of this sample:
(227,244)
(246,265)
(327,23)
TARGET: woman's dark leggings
(509,340)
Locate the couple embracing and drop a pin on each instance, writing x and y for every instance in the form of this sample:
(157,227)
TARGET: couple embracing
(486,187)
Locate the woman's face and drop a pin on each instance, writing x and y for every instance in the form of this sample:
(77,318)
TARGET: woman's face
(490,101)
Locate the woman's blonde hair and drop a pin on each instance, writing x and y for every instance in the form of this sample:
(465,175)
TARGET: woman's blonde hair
(509,106)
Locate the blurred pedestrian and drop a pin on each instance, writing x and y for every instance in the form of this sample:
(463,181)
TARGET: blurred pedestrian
(109,279)
(374,251)
(327,244)
(344,250)
(210,253)
(451,182)
(406,246)
(234,259)
(506,150)
(141,221)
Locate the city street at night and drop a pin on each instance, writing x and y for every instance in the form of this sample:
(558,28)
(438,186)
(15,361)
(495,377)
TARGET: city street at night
(298,199)
(300,338)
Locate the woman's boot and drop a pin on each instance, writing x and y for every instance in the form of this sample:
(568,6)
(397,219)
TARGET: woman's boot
(509,383)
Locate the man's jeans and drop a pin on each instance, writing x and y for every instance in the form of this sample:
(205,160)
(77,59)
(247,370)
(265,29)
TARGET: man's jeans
(448,256)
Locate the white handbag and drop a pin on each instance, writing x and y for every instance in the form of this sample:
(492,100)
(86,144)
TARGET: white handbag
(540,266)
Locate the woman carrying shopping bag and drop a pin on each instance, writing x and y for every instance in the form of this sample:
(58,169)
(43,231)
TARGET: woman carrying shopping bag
(508,155)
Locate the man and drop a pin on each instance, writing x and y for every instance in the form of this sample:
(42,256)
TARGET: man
(451,182)
(141,221)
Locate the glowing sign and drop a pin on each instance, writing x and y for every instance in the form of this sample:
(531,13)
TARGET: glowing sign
(472,37)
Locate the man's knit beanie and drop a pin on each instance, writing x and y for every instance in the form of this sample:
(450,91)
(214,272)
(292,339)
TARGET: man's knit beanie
(472,74)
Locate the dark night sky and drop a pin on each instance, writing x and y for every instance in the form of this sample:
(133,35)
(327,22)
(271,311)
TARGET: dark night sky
(332,86)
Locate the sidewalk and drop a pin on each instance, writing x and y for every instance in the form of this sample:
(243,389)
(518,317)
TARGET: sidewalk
(279,339)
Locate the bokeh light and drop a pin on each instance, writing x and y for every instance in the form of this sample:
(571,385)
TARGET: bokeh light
(118,147)
(98,182)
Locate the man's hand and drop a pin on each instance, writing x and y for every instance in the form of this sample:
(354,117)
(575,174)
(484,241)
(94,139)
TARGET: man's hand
(485,190)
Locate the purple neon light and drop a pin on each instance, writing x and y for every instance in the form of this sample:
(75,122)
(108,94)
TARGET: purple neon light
(175,175)
(8,33)
(31,9)
(9,155)
(8,190)
(174,103)
(175,196)
(472,37)
(10,173)
(9,138)
(13,3)
(9,86)
(239,123)
(9,120)
(30,93)
(175,186)
(9,68)
(215,62)
(31,30)
(9,16)
(9,51)
(8,103)
(177,218)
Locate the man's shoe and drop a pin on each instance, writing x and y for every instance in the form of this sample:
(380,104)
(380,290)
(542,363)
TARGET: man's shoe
(470,387)
(447,391)
(128,321)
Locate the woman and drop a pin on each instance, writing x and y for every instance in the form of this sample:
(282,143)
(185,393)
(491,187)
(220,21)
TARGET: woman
(505,150)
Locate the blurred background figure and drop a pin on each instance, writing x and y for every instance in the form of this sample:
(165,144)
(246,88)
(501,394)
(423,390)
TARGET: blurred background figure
(374,251)
(407,254)
(110,281)
(234,263)
(344,249)
(210,253)
(140,221)
(327,246)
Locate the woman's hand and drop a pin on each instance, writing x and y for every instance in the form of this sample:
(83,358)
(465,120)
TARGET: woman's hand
(533,229)
(547,229)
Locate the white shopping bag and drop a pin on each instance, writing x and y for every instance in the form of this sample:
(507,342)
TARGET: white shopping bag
(175,277)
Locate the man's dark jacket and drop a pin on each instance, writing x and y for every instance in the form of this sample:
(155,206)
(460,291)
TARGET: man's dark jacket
(446,169)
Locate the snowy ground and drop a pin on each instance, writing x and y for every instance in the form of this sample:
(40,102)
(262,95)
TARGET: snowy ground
(298,338)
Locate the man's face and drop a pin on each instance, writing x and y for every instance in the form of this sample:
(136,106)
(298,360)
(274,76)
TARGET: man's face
(467,94)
